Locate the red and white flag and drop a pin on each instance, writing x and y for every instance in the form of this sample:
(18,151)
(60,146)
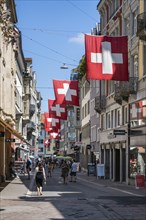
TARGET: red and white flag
(55,135)
(50,123)
(57,110)
(46,142)
(106,58)
(66,92)
(136,111)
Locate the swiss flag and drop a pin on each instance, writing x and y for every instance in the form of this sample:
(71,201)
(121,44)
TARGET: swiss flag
(50,123)
(66,92)
(57,110)
(55,135)
(46,142)
(136,111)
(106,58)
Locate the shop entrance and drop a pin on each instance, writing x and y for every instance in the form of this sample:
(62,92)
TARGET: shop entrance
(117,164)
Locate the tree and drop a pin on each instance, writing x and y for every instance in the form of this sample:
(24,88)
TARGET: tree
(81,68)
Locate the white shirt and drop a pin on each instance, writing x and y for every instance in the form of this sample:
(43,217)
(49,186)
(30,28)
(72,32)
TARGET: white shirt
(74,167)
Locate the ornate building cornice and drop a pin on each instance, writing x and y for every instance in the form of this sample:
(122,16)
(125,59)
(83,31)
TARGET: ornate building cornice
(6,23)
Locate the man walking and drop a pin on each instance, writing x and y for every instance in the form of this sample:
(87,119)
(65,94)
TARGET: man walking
(73,173)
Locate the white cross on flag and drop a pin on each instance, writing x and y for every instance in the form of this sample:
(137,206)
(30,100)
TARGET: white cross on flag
(46,142)
(54,135)
(51,124)
(106,58)
(136,111)
(57,110)
(66,92)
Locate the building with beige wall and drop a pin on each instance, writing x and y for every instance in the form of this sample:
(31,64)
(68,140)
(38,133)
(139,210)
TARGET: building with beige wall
(117,151)
(13,112)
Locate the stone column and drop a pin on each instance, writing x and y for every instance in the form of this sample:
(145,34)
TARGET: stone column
(114,162)
(111,162)
(121,164)
(104,162)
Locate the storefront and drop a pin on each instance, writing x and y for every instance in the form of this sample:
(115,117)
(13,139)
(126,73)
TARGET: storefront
(7,147)
(138,138)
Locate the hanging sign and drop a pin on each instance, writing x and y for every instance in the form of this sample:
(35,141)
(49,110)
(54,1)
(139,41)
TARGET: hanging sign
(9,140)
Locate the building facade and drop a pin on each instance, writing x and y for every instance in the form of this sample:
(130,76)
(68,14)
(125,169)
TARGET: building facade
(116,149)
(16,93)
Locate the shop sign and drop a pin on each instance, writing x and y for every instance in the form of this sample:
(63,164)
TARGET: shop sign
(9,140)
(135,132)
(120,132)
(139,181)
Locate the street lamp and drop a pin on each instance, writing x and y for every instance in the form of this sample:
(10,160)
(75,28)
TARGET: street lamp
(64,66)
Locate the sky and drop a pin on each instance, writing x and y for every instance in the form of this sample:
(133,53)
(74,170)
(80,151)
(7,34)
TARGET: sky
(53,34)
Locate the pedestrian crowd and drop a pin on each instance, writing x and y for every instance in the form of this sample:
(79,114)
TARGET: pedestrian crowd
(44,168)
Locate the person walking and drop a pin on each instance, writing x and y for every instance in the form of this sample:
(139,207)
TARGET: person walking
(28,167)
(40,178)
(73,173)
(65,171)
(12,168)
(50,168)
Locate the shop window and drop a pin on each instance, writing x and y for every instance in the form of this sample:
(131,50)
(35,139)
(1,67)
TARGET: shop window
(137,161)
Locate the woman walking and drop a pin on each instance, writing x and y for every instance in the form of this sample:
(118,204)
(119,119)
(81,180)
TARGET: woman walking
(40,177)
(65,171)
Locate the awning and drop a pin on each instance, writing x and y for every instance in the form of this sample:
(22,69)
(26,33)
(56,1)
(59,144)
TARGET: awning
(13,131)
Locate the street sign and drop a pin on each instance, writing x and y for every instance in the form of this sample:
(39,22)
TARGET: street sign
(135,132)
(9,140)
(120,132)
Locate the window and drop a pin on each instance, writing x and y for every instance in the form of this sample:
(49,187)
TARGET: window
(41,141)
(112,119)
(83,113)
(93,133)
(78,114)
(137,161)
(134,22)
(118,117)
(71,113)
(85,109)
(102,122)
(92,107)
(108,120)
(127,29)
(88,107)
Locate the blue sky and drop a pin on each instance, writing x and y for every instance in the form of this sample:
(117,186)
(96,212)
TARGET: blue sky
(52,34)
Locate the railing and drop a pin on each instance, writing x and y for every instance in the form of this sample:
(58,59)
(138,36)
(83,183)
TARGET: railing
(100,103)
(141,26)
(124,88)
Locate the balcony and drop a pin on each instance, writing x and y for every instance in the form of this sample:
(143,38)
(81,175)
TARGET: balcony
(124,88)
(32,109)
(141,26)
(100,103)
(31,126)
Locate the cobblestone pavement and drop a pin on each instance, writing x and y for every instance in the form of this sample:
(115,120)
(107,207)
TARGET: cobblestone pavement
(88,198)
